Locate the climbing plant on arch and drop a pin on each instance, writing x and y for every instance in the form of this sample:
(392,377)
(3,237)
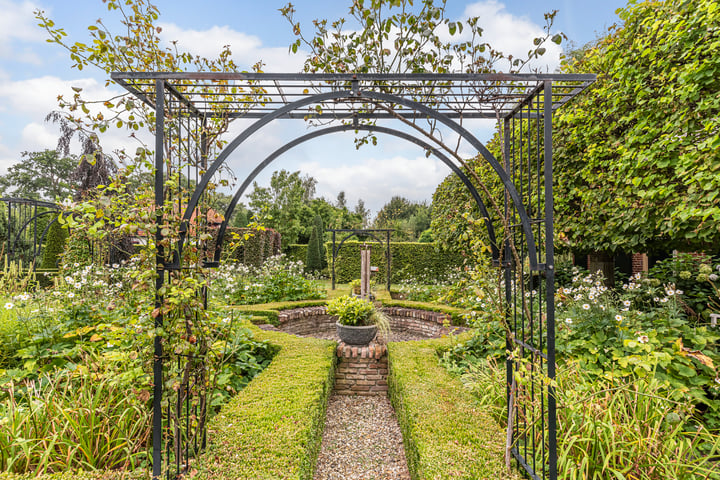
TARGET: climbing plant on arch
(524,103)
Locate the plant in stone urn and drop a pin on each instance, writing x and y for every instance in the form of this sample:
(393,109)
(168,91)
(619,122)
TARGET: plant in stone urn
(359,320)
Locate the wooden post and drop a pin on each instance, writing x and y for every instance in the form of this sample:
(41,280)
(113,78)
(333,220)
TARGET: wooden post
(365,271)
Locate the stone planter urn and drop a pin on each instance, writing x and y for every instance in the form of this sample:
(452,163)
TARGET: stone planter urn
(356,335)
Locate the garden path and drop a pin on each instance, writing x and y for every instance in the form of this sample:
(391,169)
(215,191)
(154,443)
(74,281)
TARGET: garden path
(362,440)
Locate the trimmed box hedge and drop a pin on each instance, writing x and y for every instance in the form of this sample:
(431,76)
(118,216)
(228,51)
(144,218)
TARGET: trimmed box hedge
(272,429)
(408,260)
(456,314)
(447,435)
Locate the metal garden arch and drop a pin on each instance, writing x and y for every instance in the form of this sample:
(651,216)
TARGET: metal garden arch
(522,103)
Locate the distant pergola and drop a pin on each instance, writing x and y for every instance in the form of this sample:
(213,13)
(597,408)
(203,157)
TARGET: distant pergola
(524,104)
(362,233)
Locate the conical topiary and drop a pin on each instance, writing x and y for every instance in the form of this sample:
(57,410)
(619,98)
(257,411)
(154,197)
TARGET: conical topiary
(313,262)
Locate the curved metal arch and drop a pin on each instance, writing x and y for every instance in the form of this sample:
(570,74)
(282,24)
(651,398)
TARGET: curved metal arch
(319,98)
(341,128)
(349,236)
(36,250)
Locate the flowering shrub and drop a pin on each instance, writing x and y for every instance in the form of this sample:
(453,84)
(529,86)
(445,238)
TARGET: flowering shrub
(277,280)
(696,276)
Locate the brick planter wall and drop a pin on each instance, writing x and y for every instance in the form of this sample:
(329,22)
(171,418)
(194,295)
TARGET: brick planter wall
(361,370)
(309,320)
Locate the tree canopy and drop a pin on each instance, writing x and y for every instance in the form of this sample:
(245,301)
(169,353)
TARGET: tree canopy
(42,175)
(637,158)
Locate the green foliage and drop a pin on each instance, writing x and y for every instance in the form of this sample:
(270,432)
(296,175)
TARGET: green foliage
(613,427)
(407,219)
(319,227)
(40,176)
(351,310)
(636,157)
(409,260)
(313,261)
(272,429)
(73,421)
(694,276)
(446,434)
(456,222)
(54,246)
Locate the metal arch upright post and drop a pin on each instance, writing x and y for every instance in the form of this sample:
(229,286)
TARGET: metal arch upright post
(160,278)
(550,279)
(333,261)
(387,243)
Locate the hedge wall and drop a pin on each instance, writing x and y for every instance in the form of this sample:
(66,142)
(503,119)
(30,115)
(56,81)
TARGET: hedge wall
(409,260)
(447,435)
(296,252)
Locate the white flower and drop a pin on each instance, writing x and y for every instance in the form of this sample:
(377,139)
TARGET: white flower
(586,306)
(643,339)
(618,318)
(664,300)
(568,320)
(76,264)
(713,277)
(9,306)
(70,295)
(679,292)
(626,303)
(656,299)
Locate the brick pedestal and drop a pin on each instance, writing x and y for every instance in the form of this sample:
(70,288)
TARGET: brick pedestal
(361,370)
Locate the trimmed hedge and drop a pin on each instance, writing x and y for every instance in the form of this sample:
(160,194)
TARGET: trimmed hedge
(296,252)
(447,435)
(409,260)
(273,427)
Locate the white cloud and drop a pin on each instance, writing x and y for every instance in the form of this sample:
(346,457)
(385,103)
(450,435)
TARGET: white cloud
(512,35)
(376,180)
(246,49)
(18,24)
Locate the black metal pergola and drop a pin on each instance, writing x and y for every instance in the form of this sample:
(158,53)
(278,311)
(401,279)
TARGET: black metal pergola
(186,104)
(361,233)
(27,224)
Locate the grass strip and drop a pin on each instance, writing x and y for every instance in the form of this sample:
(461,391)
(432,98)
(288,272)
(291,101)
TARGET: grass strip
(447,434)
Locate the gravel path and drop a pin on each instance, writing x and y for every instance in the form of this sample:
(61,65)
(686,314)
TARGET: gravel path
(395,335)
(361,441)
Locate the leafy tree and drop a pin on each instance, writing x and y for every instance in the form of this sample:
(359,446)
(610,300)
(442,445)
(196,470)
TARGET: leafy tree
(41,176)
(637,158)
(284,203)
(361,211)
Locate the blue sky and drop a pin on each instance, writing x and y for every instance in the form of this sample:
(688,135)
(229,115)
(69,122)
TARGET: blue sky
(33,73)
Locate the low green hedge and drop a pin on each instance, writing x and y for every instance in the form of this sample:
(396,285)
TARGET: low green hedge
(273,427)
(447,435)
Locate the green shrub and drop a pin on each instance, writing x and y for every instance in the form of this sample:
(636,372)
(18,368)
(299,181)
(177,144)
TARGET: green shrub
(313,262)
(296,252)
(447,435)
(272,429)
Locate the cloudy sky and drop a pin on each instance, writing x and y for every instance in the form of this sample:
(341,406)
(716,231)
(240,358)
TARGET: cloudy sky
(33,73)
